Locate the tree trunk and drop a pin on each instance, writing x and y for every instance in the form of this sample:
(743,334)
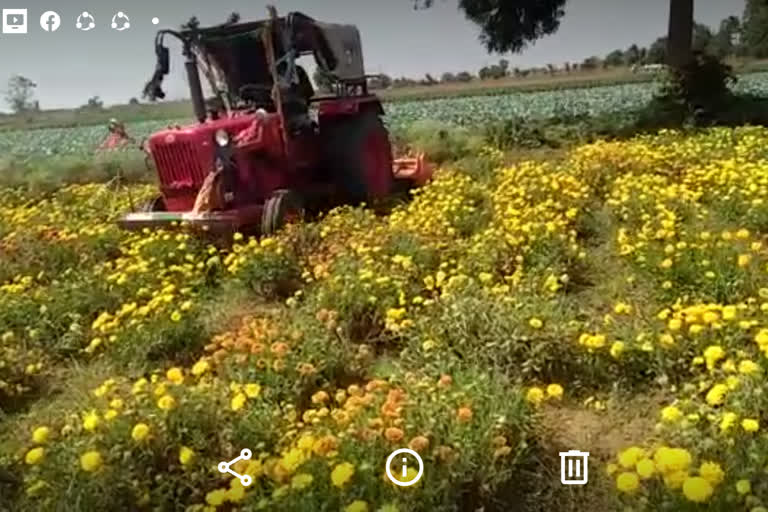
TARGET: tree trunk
(680,36)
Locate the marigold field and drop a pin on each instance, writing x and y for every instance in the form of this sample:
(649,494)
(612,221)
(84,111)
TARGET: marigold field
(612,298)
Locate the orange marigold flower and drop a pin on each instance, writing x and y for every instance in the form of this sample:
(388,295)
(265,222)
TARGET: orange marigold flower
(464,414)
(419,444)
(393,434)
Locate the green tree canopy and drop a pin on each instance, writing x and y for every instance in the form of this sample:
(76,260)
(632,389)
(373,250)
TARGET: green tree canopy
(20,93)
(755,28)
(510,25)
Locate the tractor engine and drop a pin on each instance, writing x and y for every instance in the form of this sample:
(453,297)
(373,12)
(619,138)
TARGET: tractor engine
(184,156)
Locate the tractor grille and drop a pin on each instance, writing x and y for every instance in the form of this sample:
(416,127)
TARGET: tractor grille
(179,163)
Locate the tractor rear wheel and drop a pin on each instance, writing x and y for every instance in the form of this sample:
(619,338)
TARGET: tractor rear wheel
(156,204)
(359,156)
(283,207)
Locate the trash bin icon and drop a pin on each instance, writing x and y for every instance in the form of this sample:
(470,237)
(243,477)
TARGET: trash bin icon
(573,467)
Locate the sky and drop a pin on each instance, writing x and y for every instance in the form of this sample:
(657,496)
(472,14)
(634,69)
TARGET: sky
(70,66)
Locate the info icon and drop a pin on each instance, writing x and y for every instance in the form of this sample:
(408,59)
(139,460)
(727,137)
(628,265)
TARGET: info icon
(14,21)
(50,21)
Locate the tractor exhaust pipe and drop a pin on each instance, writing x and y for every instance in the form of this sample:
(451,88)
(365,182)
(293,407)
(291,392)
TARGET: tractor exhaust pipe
(195,88)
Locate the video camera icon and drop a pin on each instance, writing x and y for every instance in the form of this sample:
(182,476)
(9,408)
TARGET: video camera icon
(224,467)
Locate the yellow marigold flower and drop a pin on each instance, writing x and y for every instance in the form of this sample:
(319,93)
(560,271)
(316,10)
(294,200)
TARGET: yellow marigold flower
(750,425)
(670,460)
(166,402)
(729,312)
(627,482)
(342,473)
(320,397)
(555,391)
(645,468)
(252,390)
(675,479)
(617,349)
(622,308)
(667,339)
(744,259)
(743,487)
(301,481)
(238,401)
(140,432)
(34,456)
(216,498)
(306,442)
(139,386)
(729,419)
(534,395)
(357,506)
(671,414)
(630,457)
(675,324)
(90,461)
(535,323)
(762,338)
(41,434)
(186,456)
(712,355)
(200,367)
(91,421)
(292,459)
(176,316)
(712,472)
(697,489)
(175,375)
(716,395)
(236,491)
(748,367)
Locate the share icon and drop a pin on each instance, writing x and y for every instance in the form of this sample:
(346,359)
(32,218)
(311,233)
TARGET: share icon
(245,454)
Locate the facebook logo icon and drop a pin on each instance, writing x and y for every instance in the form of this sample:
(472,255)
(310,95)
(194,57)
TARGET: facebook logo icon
(14,21)
(50,21)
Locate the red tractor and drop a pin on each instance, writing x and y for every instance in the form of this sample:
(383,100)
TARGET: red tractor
(265,149)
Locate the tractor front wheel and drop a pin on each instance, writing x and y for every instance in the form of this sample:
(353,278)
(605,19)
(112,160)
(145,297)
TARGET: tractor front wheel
(156,204)
(283,207)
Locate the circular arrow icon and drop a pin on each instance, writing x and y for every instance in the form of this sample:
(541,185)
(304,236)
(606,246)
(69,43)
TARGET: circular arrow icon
(85,22)
(120,21)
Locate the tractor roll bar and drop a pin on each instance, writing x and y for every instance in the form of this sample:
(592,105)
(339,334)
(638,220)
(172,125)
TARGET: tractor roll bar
(153,89)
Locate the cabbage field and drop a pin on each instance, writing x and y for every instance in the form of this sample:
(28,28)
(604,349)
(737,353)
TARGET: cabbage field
(24,144)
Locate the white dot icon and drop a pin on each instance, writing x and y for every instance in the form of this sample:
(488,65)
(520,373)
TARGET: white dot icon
(155,20)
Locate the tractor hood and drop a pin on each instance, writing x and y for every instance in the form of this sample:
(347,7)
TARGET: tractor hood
(184,155)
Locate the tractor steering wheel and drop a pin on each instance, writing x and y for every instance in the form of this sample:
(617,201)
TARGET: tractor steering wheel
(260,95)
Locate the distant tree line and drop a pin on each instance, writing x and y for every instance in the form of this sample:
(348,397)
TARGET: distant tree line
(745,37)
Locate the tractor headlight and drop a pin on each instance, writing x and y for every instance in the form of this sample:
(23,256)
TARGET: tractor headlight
(222,138)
